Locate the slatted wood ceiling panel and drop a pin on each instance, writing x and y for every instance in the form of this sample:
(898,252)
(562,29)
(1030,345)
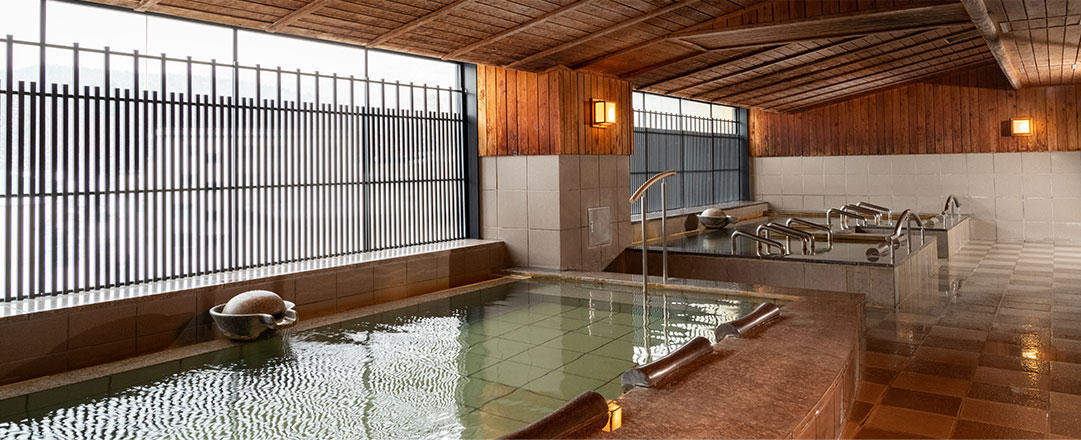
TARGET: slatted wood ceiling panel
(632,39)
(962,112)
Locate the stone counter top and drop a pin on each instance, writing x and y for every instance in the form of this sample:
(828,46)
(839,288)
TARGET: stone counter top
(768,385)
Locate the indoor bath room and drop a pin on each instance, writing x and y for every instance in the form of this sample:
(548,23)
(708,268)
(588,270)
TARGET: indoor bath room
(540,219)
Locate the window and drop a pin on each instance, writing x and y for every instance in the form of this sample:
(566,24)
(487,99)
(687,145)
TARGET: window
(152,151)
(706,143)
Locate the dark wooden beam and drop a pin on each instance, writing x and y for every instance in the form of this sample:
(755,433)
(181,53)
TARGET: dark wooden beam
(292,17)
(829,26)
(811,72)
(421,21)
(454,54)
(609,30)
(650,43)
(717,65)
(752,71)
(145,5)
(977,10)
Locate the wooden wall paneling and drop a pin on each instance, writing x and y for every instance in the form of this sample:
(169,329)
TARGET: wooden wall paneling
(1052,116)
(965,112)
(555,110)
(482,111)
(1073,99)
(501,117)
(543,136)
(527,110)
(1062,101)
(513,147)
(1010,109)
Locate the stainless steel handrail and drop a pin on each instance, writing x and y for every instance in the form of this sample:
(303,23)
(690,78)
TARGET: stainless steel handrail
(864,211)
(760,241)
(952,206)
(806,238)
(812,225)
(882,209)
(640,193)
(904,221)
(843,217)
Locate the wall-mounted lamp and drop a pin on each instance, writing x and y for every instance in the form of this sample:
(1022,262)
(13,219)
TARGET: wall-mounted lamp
(1021,127)
(615,417)
(604,113)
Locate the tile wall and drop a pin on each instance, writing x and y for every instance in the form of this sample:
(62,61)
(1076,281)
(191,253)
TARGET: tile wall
(39,341)
(1014,196)
(539,206)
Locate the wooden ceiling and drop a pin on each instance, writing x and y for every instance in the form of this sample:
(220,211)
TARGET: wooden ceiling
(781,55)
(1040,39)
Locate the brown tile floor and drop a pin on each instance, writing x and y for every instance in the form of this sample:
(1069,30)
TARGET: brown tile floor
(991,349)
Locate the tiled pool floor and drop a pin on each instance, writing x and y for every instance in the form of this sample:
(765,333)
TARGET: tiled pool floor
(476,365)
(991,349)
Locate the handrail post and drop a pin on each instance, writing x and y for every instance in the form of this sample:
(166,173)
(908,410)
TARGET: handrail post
(664,231)
(645,247)
(640,193)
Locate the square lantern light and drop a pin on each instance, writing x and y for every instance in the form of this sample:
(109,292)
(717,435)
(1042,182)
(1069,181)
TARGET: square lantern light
(604,113)
(615,417)
(1021,127)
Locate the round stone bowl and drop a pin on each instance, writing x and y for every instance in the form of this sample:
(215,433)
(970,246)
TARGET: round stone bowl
(251,326)
(711,222)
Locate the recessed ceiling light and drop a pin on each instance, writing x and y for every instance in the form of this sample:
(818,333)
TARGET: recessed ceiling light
(1004,26)
(1074,67)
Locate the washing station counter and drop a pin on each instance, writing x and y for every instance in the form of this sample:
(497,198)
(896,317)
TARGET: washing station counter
(843,266)
(952,231)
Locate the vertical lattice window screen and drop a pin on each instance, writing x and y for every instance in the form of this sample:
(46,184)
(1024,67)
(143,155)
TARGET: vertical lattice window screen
(706,144)
(123,168)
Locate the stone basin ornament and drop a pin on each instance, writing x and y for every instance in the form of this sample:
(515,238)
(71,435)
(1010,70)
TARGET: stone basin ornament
(254,314)
(714,218)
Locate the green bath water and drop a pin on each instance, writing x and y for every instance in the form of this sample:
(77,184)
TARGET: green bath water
(476,365)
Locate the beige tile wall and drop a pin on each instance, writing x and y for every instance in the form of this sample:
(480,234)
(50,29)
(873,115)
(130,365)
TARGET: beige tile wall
(45,342)
(538,206)
(1014,196)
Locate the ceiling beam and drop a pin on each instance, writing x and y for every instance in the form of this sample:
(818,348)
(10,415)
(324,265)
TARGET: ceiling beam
(823,88)
(516,29)
(741,75)
(978,11)
(292,17)
(716,65)
(650,43)
(829,26)
(615,28)
(808,70)
(811,72)
(421,21)
(145,5)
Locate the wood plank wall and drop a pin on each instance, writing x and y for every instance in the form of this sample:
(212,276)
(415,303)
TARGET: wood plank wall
(961,112)
(523,113)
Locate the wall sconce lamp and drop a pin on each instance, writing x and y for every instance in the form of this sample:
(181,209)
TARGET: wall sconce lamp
(615,417)
(604,113)
(1021,127)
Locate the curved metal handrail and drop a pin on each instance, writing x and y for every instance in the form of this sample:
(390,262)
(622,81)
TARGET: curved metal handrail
(638,193)
(864,211)
(905,222)
(952,205)
(760,241)
(881,209)
(812,225)
(843,216)
(806,238)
